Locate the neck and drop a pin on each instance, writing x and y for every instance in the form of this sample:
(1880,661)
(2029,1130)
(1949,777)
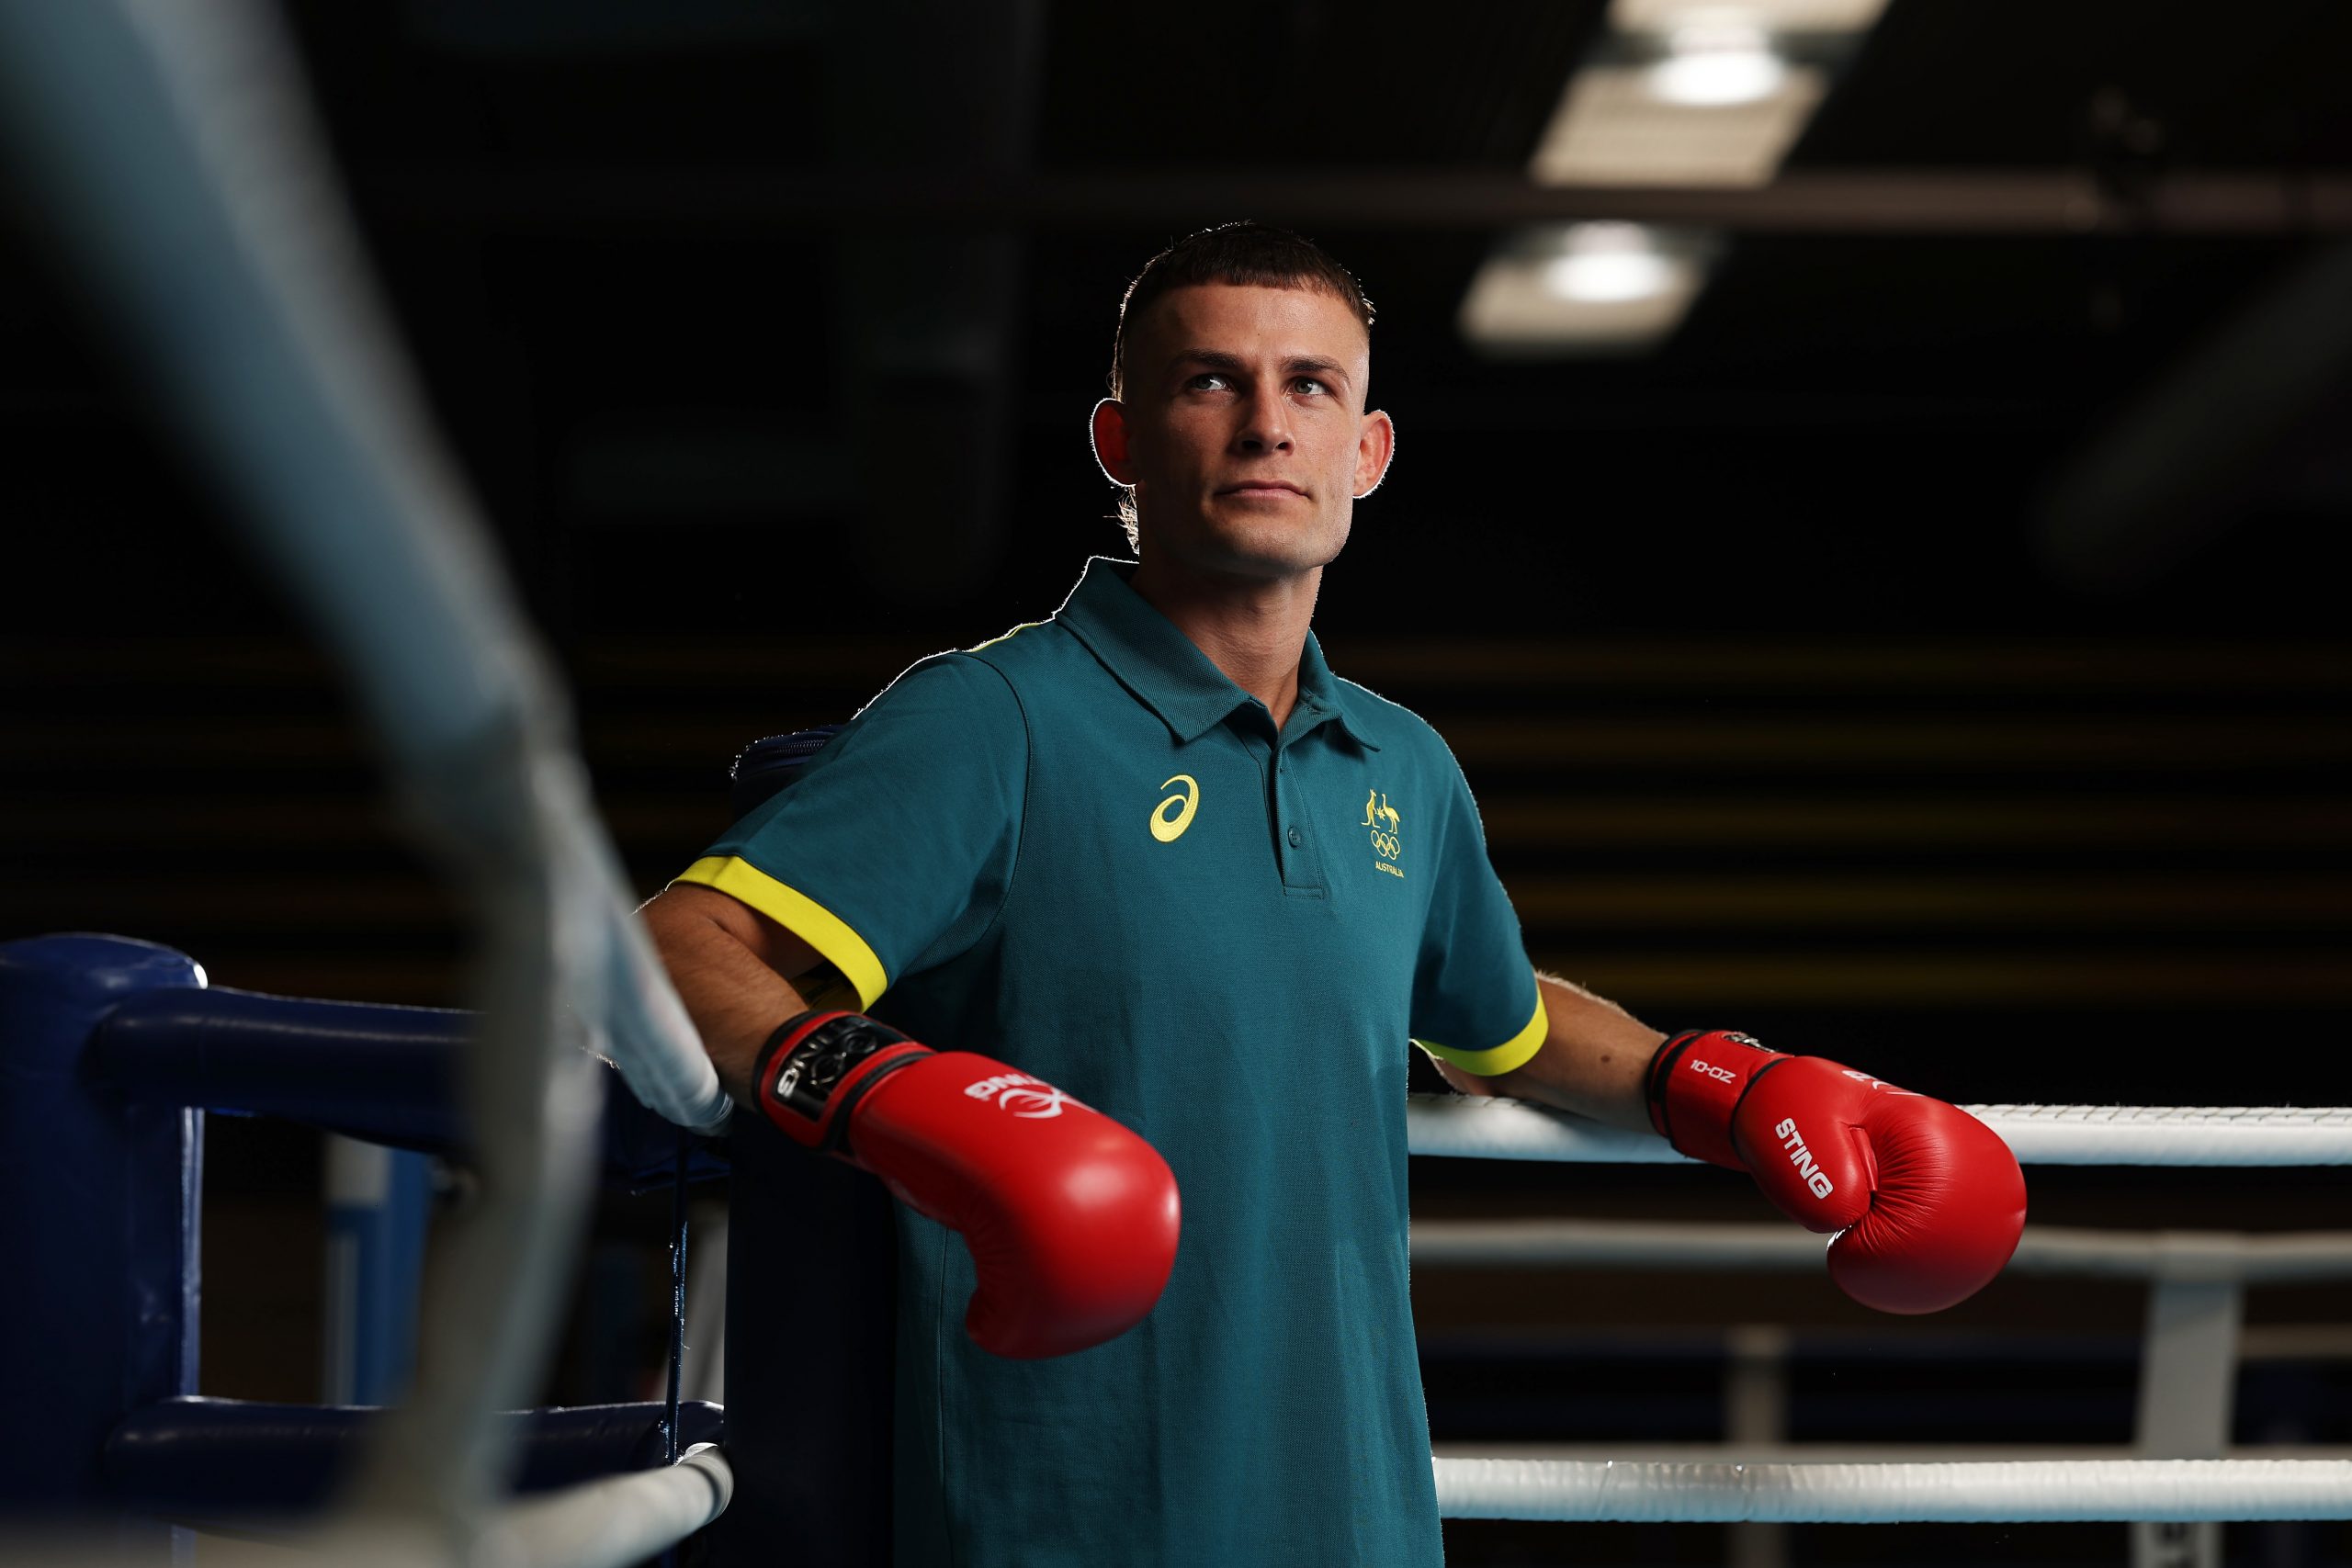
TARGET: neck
(1253,629)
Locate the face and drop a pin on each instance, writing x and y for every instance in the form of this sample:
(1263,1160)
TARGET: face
(1243,429)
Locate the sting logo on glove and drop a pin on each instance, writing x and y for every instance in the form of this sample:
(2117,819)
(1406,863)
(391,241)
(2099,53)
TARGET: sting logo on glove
(1816,1181)
(1927,1200)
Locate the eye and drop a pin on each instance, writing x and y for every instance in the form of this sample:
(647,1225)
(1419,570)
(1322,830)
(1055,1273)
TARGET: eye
(1311,385)
(1207,382)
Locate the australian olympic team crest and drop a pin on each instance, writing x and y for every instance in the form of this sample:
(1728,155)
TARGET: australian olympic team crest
(1386,827)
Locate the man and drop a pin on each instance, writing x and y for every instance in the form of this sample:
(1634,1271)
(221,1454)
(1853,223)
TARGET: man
(1152,853)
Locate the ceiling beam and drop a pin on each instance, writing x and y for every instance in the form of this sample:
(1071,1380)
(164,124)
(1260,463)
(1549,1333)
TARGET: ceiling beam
(1824,201)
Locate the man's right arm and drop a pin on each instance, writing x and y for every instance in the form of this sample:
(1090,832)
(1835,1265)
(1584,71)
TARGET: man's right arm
(740,974)
(1072,1223)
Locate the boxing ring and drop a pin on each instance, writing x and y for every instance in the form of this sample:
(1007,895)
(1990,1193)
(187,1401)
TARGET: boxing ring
(115,1051)
(115,1048)
(2196,1282)
(177,153)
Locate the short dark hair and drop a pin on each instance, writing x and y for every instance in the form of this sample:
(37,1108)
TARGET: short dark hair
(1241,255)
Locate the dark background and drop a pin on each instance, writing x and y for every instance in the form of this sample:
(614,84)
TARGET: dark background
(767,334)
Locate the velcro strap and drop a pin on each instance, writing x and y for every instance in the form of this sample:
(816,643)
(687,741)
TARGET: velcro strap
(1696,1082)
(818,1066)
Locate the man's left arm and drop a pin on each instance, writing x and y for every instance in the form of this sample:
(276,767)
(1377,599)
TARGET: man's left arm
(1594,1060)
(1925,1202)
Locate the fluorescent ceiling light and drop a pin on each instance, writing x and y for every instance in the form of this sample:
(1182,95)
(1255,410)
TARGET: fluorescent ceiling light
(1715,64)
(1609,280)
(1681,93)
(1609,263)
(1592,287)
(1613,128)
(1772,16)
(1697,92)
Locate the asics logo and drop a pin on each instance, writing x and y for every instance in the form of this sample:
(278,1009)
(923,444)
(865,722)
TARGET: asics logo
(1723,1074)
(1173,815)
(1030,1098)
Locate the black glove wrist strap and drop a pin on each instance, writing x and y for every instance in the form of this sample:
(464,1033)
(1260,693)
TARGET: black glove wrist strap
(806,1079)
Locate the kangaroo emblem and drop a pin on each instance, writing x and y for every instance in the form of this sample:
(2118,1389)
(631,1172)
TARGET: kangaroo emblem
(1377,810)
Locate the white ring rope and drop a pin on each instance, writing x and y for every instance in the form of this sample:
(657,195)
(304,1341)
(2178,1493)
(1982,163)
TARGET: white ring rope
(1472,1128)
(2037,1491)
(2177,1135)
(606,1523)
(615,1521)
(2283,1258)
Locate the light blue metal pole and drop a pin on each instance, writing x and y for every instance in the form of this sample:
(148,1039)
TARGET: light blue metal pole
(378,1200)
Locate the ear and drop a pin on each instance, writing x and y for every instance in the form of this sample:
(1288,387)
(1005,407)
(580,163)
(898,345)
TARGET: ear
(1109,429)
(1375,445)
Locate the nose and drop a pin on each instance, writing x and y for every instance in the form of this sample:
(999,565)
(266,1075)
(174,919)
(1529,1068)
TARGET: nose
(1265,424)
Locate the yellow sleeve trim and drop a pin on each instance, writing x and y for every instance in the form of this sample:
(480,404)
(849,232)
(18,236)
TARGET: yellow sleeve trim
(799,914)
(1515,1052)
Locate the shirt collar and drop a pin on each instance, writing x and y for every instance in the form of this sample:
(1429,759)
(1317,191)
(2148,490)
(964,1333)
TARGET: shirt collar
(1320,697)
(1145,652)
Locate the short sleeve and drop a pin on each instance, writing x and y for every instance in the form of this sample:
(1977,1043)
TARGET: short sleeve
(1476,1002)
(895,847)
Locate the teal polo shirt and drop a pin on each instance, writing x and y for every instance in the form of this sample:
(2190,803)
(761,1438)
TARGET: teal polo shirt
(1080,848)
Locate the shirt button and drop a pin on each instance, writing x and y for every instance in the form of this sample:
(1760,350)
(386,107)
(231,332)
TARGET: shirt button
(1297,838)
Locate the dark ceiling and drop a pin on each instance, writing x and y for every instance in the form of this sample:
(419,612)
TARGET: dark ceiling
(751,315)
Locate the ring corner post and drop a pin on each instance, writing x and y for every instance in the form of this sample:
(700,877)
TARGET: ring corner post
(812,1315)
(103,1226)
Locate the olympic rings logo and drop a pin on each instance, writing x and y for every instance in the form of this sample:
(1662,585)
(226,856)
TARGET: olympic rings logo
(1385,843)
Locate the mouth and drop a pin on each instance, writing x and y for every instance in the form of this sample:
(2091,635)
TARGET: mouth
(1261,489)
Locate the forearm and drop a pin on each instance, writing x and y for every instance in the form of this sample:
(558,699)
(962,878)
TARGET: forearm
(734,997)
(1925,1202)
(1594,1058)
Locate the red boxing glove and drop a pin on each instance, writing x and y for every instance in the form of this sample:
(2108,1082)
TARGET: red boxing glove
(1071,1217)
(1929,1200)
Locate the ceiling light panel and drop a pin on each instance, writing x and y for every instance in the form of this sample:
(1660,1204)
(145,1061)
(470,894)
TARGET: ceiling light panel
(1717,67)
(1589,288)
(1679,93)
(1614,128)
(1773,15)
